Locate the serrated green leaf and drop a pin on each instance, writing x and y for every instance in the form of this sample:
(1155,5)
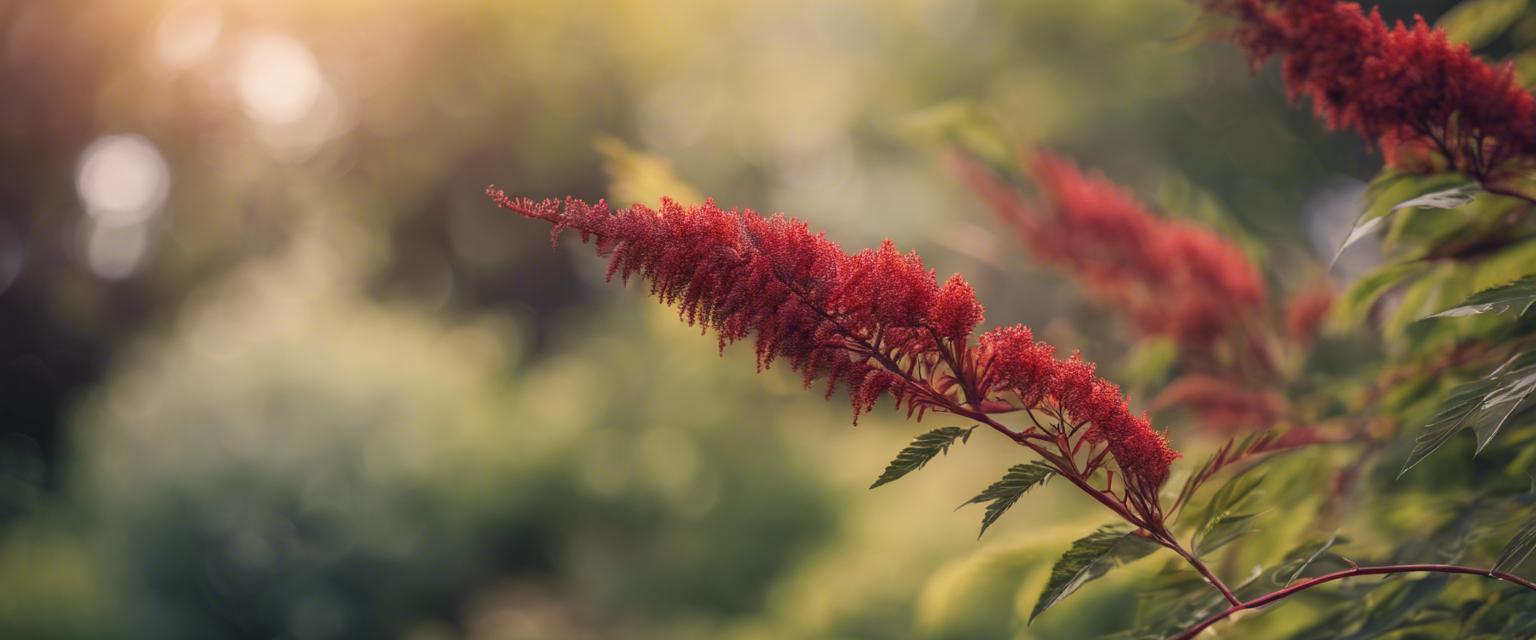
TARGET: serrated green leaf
(1224,529)
(1520,547)
(1519,295)
(1372,218)
(1003,493)
(1398,609)
(1356,303)
(1452,198)
(1448,421)
(1089,558)
(1362,228)
(1298,560)
(1514,384)
(1478,22)
(1233,451)
(1226,516)
(923,448)
(1510,615)
(1175,599)
(1485,405)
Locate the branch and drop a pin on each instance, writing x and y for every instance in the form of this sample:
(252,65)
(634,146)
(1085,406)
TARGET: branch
(1350,573)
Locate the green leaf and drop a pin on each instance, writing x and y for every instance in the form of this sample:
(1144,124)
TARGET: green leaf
(1514,383)
(1400,609)
(1509,615)
(1452,198)
(1089,558)
(1520,294)
(1230,453)
(1298,560)
(1226,517)
(1518,548)
(1450,420)
(1372,218)
(1356,304)
(1003,493)
(1174,599)
(1478,22)
(1363,227)
(1485,405)
(923,448)
(1224,529)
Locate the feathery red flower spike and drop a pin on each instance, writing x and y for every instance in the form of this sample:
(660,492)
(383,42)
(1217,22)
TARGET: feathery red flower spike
(876,322)
(1170,278)
(1409,89)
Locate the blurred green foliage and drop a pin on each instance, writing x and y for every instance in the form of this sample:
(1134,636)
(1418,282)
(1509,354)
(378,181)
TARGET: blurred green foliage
(337,395)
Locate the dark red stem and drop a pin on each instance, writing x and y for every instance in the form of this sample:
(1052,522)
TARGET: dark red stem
(1350,573)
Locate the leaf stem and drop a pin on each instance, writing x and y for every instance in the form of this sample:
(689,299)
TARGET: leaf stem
(1204,570)
(1350,573)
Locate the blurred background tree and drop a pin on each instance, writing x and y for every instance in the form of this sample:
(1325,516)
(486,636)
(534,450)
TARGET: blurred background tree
(271,366)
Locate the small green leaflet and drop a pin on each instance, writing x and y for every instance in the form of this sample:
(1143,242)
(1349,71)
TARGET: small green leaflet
(1355,305)
(1089,558)
(1234,450)
(1444,199)
(923,448)
(1405,606)
(1516,380)
(1519,295)
(1225,518)
(1486,405)
(1449,421)
(1479,22)
(1303,557)
(1003,493)
(1520,547)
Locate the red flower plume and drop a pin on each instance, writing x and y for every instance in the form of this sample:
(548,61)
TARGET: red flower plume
(1406,88)
(875,322)
(1168,277)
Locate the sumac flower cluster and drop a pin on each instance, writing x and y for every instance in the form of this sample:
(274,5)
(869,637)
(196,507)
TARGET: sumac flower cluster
(876,322)
(1408,89)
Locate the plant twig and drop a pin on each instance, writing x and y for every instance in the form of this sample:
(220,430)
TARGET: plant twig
(1350,573)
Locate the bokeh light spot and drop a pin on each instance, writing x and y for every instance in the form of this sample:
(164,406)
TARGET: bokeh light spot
(187,33)
(122,180)
(114,253)
(278,79)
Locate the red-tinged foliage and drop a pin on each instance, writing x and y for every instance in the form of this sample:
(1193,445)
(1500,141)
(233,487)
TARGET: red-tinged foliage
(1407,88)
(1305,311)
(1168,277)
(875,322)
(1224,404)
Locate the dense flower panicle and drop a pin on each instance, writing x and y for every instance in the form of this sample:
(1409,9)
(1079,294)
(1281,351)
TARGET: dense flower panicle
(1170,278)
(832,315)
(1408,89)
(875,322)
(1016,364)
(955,312)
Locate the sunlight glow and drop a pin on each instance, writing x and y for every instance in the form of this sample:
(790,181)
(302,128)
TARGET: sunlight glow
(187,33)
(278,79)
(122,180)
(114,253)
